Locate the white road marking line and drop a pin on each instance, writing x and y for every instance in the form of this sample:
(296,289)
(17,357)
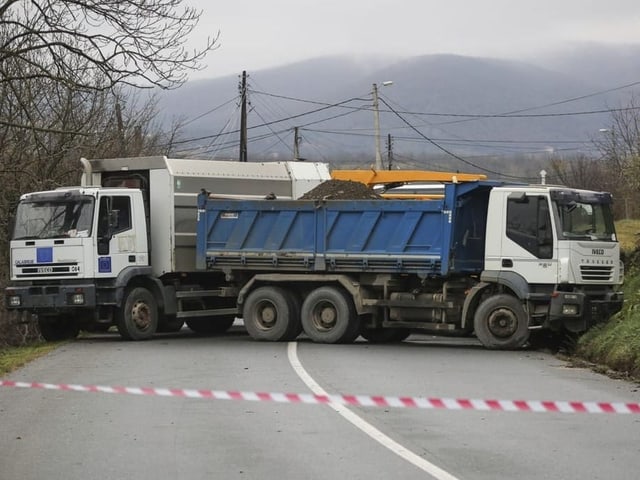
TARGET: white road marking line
(419,462)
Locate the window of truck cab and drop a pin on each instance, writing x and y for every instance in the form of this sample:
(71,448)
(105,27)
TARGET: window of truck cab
(54,215)
(584,216)
(529,223)
(118,205)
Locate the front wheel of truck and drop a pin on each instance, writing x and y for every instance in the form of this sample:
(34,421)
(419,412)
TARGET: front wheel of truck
(501,323)
(137,319)
(55,328)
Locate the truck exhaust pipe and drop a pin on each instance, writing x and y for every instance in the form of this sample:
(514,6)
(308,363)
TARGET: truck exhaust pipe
(87,171)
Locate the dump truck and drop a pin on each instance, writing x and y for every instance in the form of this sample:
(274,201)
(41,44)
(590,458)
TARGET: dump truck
(97,255)
(502,261)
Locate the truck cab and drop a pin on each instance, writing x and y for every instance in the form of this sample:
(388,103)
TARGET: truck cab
(67,241)
(556,248)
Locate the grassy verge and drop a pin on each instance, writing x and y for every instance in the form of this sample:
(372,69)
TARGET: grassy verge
(12,358)
(628,231)
(616,344)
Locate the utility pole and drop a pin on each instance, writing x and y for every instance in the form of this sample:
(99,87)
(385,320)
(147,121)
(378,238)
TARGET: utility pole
(376,126)
(296,144)
(243,117)
(389,151)
(376,122)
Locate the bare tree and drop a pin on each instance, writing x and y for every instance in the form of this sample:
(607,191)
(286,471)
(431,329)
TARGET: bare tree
(578,172)
(140,43)
(619,146)
(66,72)
(68,124)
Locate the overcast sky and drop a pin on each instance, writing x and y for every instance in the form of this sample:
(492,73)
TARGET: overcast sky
(255,34)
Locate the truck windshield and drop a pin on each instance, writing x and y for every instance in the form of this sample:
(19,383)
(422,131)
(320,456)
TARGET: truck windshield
(586,221)
(54,217)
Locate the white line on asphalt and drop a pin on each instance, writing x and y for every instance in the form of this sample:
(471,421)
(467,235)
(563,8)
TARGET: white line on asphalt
(419,462)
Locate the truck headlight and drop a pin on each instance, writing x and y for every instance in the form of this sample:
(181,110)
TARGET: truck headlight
(568,309)
(76,299)
(15,301)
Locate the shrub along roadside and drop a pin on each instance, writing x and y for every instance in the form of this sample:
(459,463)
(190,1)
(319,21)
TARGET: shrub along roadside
(616,344)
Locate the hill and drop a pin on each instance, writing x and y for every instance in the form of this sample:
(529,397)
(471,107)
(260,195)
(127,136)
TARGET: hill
(477,109)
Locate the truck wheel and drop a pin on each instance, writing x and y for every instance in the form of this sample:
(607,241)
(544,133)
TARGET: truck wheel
(385,335)
(137,319)
(328,316)
(500,322)
(269,315)
(54,328)
(210,325)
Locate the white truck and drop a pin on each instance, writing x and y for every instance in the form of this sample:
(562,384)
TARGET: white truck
(88,257)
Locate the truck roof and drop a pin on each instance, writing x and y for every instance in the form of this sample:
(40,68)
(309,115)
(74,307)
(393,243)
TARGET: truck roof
(74,190)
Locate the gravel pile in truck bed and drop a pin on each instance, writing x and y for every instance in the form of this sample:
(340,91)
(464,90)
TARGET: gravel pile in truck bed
(340,190)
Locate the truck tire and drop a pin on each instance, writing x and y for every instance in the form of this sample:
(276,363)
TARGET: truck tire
(55,328)
(501,323)
(385,335)
(329,316)
(137,319)
(210,325)
(269,314)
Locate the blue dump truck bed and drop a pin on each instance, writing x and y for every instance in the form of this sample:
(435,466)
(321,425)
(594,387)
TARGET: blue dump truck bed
(423,237)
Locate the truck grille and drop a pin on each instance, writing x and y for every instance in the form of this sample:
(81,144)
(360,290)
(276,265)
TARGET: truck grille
(43,270)
(597,273)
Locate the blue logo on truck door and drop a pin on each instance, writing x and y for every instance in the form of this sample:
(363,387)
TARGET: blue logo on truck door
(104,264)
(44,254)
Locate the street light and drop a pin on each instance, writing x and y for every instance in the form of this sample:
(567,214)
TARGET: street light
(376,122)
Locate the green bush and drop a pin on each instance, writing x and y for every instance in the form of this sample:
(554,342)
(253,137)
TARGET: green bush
(616,344)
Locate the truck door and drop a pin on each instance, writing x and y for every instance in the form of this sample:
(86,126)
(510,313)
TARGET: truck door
(116,237)
(528,246)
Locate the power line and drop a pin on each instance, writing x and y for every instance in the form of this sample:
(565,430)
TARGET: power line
(206,137)
(440,147)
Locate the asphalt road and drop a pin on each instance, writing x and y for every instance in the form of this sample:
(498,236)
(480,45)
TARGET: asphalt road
(47,434)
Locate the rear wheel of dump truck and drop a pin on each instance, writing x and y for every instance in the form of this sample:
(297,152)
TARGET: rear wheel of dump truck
(269,314)
(137,319)
(55,328)
(329,316)
(500,322)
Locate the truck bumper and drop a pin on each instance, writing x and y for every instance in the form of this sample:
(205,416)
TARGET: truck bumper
(42,298)
(577,311)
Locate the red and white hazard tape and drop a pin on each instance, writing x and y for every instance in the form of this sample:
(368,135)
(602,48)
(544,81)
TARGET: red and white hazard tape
(352,400)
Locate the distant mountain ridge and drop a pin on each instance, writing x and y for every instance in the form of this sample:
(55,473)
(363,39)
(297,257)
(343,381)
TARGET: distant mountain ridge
(437,103)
